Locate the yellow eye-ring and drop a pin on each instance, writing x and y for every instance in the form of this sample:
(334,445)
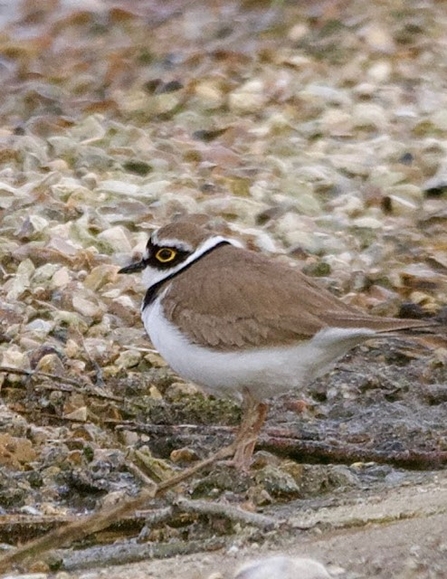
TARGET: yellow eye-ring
(165,254)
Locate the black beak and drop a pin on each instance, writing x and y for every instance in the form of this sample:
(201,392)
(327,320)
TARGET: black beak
(133,267)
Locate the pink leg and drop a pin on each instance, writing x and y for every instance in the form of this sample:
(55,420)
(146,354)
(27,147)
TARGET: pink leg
(253,417)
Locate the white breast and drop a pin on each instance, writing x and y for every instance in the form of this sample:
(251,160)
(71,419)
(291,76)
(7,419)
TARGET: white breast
(266,372)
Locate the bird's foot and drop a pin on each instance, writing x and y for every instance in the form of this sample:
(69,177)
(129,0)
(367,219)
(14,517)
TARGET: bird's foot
(243,455)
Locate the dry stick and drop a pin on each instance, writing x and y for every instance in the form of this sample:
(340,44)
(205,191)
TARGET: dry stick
(60,380)
(229,512)
(124,553)
(139,474)
(348,453)
(93,523)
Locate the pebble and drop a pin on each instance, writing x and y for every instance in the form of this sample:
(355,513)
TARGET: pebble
(369,115)
(61,278)
(99,276)
(438,182)
(45,272)
(367,223)
(119,188)
(298,31)
(336,121)
(155,188)
(249,97)
(277,482)
(282,567)
(402,206)
(210,94)
(128,359)
(117,238)
(89,130)
(378,38)
(380,72)
(80,414)
(439,119)
(328,94)
(14,358)
(40,326)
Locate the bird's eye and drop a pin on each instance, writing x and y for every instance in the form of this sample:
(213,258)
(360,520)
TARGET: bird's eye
(165,254)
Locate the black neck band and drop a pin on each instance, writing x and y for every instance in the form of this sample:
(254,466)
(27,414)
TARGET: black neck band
(154,290)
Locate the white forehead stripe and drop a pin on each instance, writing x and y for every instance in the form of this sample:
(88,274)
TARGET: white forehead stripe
(171,242)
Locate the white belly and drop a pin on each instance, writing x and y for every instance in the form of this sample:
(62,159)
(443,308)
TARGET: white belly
(266,372)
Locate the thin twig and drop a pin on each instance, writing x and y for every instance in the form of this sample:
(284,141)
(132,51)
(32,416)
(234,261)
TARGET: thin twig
(316,450)
(230,512)
(139,474)
(118,554)
(155,517)
(60,380)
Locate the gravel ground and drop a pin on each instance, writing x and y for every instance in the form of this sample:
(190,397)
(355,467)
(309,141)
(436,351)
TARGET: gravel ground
(315,132)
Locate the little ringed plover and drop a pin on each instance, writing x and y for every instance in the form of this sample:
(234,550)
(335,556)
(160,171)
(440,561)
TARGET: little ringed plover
(239,323)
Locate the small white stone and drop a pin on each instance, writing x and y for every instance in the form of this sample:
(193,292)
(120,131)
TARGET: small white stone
(353,164)
(209,94)
(59,165)
(124,301)
(119,188)
(80,414)
(349,204)
(298,31)
(61,145)
(439,119)
(30,510)
(38,223)
(128,359)
(369,115)
(6,188)
(264,242)
(87,307)
(45,272)
(407,191)
(380,72)
(368,223)
(155,188)
(336,121)
(326,94)
(297,60)
(281,567)
(113,498)
(60,279)
(40,326)
(117,238)
(251,96)
(13,358)
(89,130)
(383,176)
(378,38)
(67,186)
(72,348)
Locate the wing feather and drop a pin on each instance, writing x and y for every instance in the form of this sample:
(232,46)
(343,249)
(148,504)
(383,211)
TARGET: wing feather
(267,303)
